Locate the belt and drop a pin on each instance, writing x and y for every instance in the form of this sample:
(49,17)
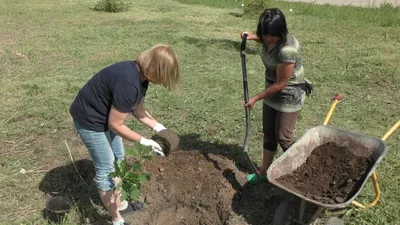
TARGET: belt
(305,85)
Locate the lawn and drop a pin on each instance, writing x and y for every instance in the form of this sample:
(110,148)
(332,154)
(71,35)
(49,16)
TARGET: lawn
(49,49)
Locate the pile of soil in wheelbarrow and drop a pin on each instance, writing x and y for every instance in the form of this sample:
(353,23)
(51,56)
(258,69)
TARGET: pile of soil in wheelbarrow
(331,174)
(188,187)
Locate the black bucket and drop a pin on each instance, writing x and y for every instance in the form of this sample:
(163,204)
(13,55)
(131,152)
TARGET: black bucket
(57,208)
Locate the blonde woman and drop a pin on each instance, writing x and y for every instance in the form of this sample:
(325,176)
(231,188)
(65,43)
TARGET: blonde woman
(104,102)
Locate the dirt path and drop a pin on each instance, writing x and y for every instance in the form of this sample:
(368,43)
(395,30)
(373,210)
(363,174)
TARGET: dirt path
(363,3)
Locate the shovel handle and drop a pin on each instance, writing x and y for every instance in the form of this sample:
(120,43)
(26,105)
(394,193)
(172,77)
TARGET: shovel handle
(245,90)
(246,100)
(243,45)
(244,70)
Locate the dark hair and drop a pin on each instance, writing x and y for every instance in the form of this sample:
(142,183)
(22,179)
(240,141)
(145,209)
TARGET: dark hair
(272,22)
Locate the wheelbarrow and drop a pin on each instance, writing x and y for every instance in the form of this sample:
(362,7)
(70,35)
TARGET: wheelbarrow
(292,210)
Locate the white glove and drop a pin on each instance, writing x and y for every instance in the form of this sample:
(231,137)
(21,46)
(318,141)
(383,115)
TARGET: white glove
(154,145)
(159,127)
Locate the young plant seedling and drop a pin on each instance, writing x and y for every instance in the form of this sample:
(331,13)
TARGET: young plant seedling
(133,176)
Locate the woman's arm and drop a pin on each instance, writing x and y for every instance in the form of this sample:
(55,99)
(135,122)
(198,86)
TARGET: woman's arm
(251,36)
(283,73)
(145,118)
(116,121)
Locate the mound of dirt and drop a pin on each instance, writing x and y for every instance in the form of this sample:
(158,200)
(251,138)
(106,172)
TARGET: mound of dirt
(189,188)
(331,174)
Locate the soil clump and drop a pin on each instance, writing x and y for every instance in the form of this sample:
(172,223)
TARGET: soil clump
(331,174)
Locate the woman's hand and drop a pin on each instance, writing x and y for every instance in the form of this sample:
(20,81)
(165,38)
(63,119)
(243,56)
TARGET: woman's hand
(251,103)
(245,32)
(250,36)
(154,146)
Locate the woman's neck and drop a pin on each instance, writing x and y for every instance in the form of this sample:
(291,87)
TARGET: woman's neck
(142,77)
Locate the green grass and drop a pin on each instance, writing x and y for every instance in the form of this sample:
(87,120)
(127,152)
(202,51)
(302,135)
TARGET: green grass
(49,49)
(215,3)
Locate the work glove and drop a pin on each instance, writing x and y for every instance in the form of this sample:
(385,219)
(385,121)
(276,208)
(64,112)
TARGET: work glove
(159,127)
(154,145)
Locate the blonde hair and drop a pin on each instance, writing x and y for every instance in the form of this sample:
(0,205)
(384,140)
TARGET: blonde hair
(160,65)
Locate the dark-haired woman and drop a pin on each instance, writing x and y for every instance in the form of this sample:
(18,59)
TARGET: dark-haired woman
(285,86)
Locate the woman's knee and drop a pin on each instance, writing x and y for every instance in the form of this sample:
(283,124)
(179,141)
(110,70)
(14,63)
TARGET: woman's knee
(103,181)
(101,152)
(285,144)
(270,144)
(285,129)
(118,147)
(285,137)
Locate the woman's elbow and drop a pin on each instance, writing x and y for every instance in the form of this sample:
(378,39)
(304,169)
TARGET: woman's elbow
(282,86)
(113,126)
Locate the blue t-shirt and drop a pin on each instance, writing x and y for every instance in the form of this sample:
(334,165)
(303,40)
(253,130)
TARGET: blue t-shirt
(117,85)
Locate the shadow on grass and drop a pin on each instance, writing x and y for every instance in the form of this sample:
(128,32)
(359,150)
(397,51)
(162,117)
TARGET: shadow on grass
(234,14)
(255,203)
(223,43)
(64,181)
(233,152)
(258,203)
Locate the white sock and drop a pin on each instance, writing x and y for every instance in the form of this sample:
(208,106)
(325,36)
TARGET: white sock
(124,206)
(118,222)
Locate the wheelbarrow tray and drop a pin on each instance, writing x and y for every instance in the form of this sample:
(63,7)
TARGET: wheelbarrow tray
(297,154)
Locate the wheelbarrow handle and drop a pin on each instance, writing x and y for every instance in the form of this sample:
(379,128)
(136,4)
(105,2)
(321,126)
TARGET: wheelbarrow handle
(335,102)
(374,177)
(391,131)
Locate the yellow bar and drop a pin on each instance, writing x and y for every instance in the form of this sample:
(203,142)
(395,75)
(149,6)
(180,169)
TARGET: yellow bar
(374,177)
(358,205)
(328,116)
(377,194)
(391,131)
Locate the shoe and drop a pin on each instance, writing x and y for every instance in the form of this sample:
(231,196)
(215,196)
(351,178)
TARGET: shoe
(133,207)
(252,179)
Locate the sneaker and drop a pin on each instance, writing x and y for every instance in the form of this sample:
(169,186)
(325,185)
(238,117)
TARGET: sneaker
(252,179)
(133,207)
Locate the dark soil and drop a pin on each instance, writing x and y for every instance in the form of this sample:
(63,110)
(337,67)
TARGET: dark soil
(168,141)
(188,188)
(331,174)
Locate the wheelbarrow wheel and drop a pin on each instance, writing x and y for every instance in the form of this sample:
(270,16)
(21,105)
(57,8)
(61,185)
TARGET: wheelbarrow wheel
(286,213)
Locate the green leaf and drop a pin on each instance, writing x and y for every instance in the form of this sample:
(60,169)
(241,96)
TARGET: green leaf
(148,157)
(135,194)
(124,167)
(124,196)
(138,146)
(143,178)
(147,150)
(112,175)
(130,152)
(119,168)
(136,166)
(139,149)
(131,177)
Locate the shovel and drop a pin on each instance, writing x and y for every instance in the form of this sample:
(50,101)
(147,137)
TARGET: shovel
(246,99)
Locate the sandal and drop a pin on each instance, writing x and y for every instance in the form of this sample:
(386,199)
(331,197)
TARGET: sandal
(133,207)
(252,179)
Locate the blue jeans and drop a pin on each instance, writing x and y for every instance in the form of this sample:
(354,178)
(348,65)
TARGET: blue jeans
(104,149)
